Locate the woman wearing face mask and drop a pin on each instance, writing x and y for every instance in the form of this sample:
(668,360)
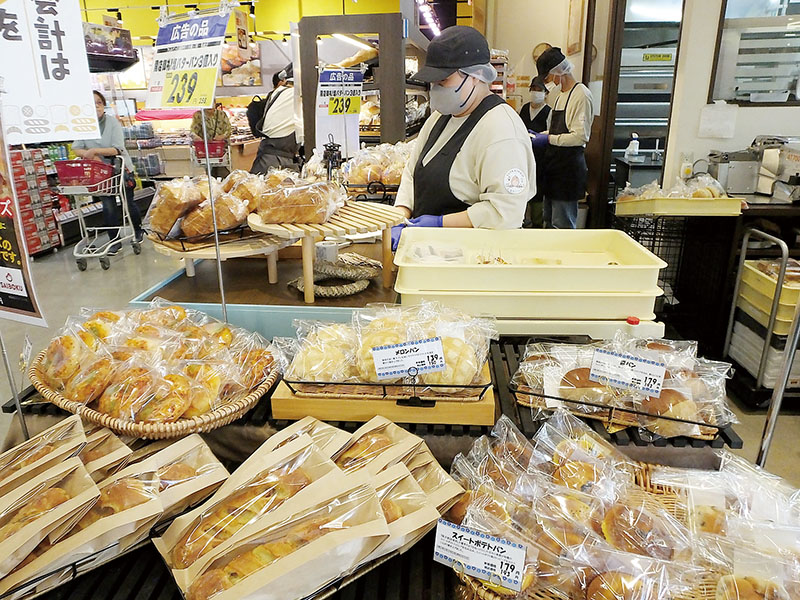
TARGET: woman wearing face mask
(472,165)
(110,145)
(534,114)
(564,142)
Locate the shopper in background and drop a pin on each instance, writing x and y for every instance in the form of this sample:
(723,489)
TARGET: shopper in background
(472,165)
(564,141)
(218,127)
(280,128)
(110,145)
(534,114)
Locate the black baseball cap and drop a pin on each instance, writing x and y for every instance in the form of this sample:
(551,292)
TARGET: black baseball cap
(552,57)
(458,46)
(538,82)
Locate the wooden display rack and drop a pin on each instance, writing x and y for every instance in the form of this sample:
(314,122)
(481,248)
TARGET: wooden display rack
(293,406)
(352,218)
(252,246)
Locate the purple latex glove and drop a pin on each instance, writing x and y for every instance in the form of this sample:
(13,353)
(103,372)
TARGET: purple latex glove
(396,231)
(540,140)
(427,221)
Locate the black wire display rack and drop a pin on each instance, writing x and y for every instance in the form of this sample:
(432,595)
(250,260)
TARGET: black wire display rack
(374,191)
(664,237)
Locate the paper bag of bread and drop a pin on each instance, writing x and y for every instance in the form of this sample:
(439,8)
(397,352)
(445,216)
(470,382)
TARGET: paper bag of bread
(230,213)
(407,509)
(377,444)
(442,490)
(260,486)
(123,515)
(465,343)
(104,453)
(324,352)
(325,437)
(30,458)
(172,201)
(188,472)
(295,556)
(312,203)
(31,513)
(580,459)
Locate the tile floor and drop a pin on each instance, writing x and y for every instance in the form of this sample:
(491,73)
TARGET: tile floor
(63,290)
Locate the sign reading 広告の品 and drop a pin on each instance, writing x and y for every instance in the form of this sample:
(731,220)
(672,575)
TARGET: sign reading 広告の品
(48,92)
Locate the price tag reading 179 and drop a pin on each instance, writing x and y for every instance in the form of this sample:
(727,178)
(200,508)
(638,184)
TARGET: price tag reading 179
(344,105)
(627,372)
(189,88)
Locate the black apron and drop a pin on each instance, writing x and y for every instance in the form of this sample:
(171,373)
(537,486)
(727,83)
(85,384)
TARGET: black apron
(565,176)
(432,193)
(275,152)
(539,122)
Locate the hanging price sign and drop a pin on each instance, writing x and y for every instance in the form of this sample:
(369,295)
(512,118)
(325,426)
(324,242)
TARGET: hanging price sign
(189,88)
(344,105)
(338,108)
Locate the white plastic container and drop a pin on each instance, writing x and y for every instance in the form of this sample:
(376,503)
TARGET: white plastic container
(540,260)
(542,305)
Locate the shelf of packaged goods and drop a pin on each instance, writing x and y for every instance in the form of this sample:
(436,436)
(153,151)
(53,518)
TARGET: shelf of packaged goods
(72,215)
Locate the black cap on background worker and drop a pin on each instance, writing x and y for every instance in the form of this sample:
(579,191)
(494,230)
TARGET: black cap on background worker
(565,140)
(472,165)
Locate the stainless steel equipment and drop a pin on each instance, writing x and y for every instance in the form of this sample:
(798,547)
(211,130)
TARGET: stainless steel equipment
(736,171)
(779,168)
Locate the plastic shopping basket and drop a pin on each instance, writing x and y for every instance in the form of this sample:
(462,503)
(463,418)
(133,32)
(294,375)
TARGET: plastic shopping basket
(216,148)
(83,172)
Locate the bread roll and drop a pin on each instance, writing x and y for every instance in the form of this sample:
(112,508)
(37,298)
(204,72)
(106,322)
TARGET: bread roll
(374,337)
(170,402)
(391,510)
(230,212)
(577,475)
(34,508)
(175,474)
(671,403)
(120,495)
(175,198)
(203,188)
(363,450)
(709,519)
(130,389)
(614,585)
(733,587)
(630,529)
(63,359)
(461,366)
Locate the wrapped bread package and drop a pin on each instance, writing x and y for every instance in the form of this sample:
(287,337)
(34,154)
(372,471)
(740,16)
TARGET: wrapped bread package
(188,472)
(31,513)
(34,456)
(408,511)
(233,179)
(325,352)
(263,484)
(230,213)
(312,203)
(172,201)
(207,190)
(326,437)
(123,515)
(376,445)
(442,490)
(249,190)
(297,555)
(104,452)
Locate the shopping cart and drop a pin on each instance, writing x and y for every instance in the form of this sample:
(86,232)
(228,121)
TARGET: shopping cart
(219,153)
(87,180)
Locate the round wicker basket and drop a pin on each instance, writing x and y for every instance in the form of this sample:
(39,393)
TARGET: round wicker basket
(219,417)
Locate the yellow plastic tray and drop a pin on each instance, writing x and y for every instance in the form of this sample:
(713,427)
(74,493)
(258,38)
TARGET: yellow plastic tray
(542,305)
(680,207)
(764,284)
(764,303)
(594,260)
(781,327)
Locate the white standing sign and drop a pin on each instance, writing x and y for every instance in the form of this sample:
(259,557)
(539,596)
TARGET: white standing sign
(48,89)
(187,60)
(338,109)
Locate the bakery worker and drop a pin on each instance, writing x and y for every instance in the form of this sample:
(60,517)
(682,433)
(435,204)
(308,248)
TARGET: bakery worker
(535,116)
(282,132)
(472,165)
(564,141)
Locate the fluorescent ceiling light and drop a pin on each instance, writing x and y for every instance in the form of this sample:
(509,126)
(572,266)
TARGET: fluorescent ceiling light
(353,41)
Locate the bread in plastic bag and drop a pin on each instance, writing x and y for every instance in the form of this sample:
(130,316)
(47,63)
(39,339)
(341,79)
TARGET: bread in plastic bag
(233,179)
(326,352)
(172,201)
(202,186)
(230,213)
(312,203)
(249,190)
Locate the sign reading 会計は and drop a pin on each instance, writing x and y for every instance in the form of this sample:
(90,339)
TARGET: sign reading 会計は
(48,92)
(187,61)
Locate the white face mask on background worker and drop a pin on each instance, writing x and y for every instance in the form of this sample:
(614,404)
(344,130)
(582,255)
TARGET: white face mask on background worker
(537,97)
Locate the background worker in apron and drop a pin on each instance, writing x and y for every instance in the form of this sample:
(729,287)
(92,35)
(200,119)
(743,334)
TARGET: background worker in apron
(282,133)
(565,140)
(535,116)
(472,165)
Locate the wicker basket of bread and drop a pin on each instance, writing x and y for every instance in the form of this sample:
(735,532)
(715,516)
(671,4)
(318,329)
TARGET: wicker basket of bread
(158,372)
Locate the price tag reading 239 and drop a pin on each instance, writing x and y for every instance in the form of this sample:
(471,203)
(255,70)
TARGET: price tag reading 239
(344,105)
(627,372)
(189,87)
(395,361)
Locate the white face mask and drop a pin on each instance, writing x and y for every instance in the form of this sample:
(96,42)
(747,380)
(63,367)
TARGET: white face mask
(537,98)
(449,100)
(552,87)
